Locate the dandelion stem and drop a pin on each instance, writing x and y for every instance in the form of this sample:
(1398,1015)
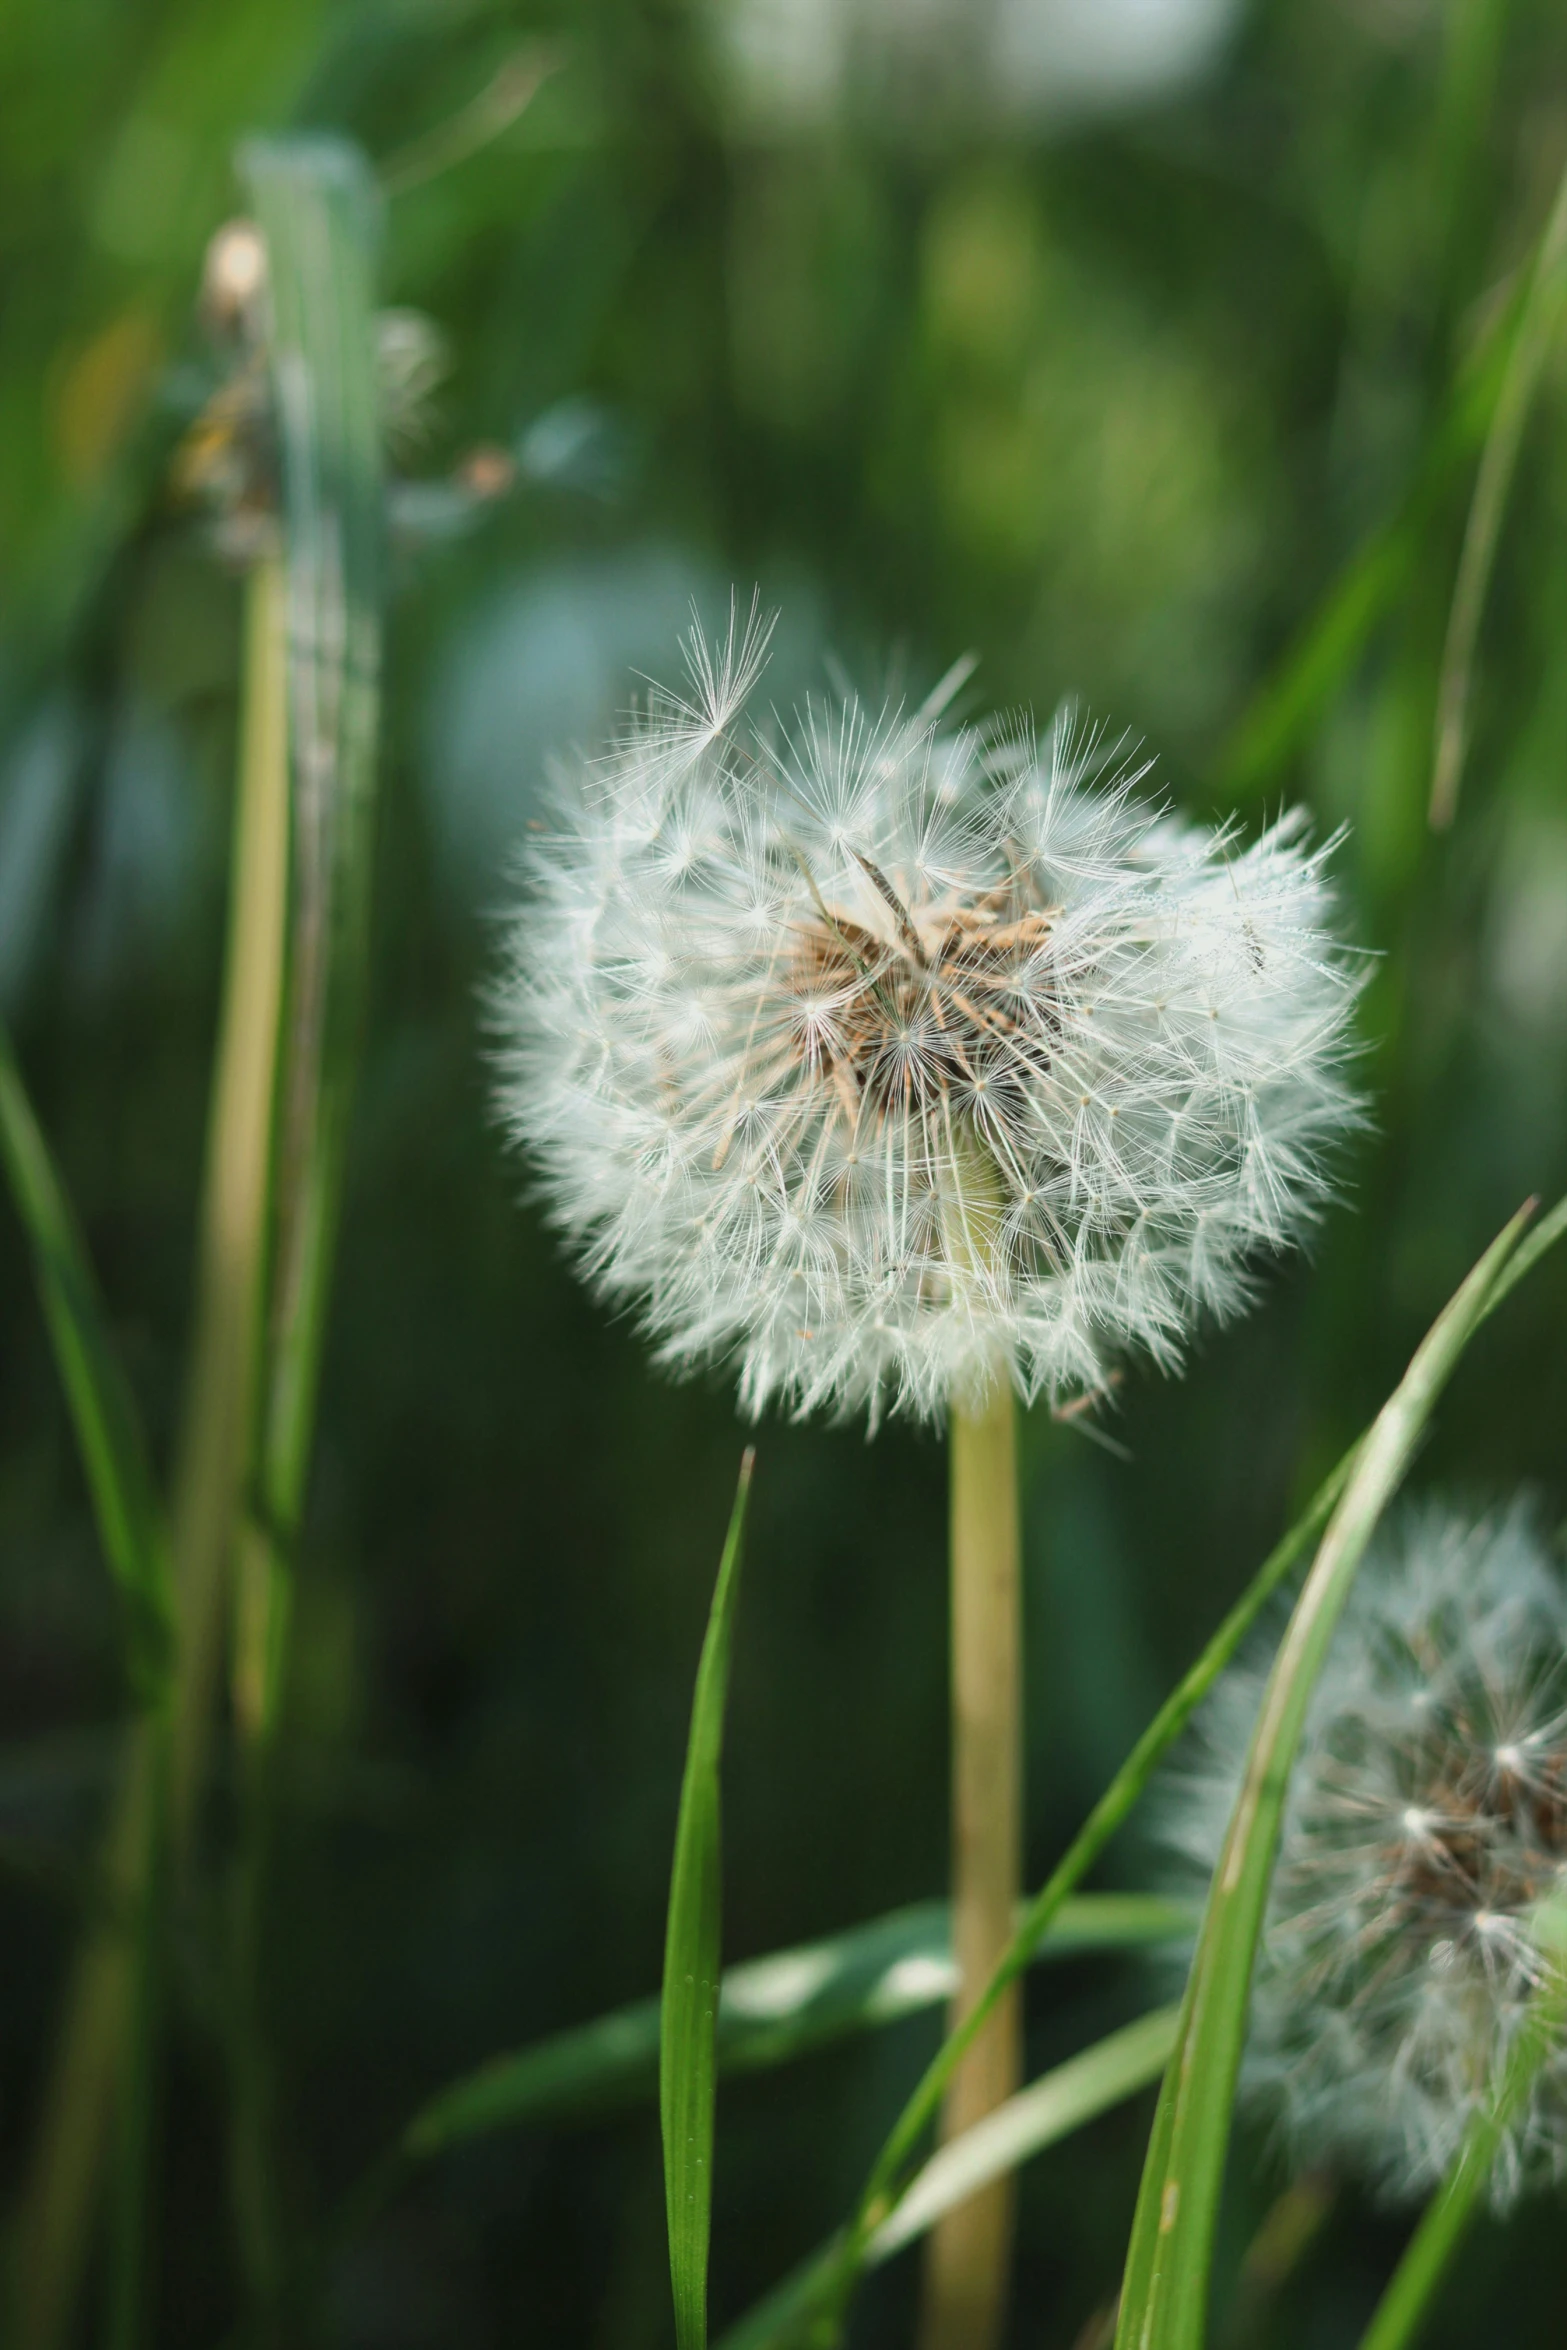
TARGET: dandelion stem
(966,2269)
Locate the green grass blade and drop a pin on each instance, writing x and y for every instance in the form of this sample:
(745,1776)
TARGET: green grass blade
(1043,1915)
(318,210)
(1164,2299)
(1539,320)
(688,2022)
(1402,2311)
(886,2181)
(1048,2110)
(315,201)
(770,2011)
(108,1430)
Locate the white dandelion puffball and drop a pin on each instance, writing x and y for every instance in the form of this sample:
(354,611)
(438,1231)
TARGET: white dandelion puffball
(891,1062)
(1426,1820)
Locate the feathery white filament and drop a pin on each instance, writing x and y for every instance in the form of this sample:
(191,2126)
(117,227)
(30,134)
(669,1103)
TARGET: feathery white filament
(1427,1817)
(890,1061)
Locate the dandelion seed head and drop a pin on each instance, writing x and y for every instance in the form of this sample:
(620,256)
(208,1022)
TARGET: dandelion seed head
(1398,1959)
(890,1060)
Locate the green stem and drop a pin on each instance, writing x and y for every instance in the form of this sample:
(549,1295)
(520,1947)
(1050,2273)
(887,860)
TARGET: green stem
(964,2304)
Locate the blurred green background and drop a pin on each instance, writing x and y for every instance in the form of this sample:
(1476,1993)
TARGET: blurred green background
(1099,336)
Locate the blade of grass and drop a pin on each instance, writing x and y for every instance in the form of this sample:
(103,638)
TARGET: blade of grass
(108,1432)
(770,2011)
(1048,2110)
(688,2019)
(1164,2298)
(1036,2117)
(319,214)
(107,2046)
(1402,2311)
(1544,300)
(316,205)
(835,2276)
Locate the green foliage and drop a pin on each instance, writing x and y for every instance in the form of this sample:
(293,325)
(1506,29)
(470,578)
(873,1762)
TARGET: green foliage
(1189,407)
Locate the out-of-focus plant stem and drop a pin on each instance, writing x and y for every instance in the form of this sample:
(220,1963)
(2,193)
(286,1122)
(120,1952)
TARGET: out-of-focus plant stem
(217,1439)
(138,2033)
(965,2281)
(316,205)
(105,2051)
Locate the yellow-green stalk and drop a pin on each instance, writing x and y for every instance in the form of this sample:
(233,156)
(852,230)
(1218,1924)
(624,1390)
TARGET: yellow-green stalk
(225,1352)
(966,2266)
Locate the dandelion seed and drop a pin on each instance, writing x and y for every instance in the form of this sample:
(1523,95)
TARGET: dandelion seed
(1397,1962)
(891,1063)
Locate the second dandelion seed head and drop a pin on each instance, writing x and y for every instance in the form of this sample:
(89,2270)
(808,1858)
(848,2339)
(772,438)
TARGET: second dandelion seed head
(893,1061)
(1426,1829)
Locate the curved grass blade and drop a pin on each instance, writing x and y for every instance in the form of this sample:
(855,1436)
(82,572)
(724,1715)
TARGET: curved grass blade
(318,210)
(108,1431)
(107,2046)
(885,2184)
(1331,641)
(1164,2299)
(319,213)
(1038,2116)
(1048,2110)
(889,2176)
(770,2011)
(1544,302)
(688,2018)
(1402,2311)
